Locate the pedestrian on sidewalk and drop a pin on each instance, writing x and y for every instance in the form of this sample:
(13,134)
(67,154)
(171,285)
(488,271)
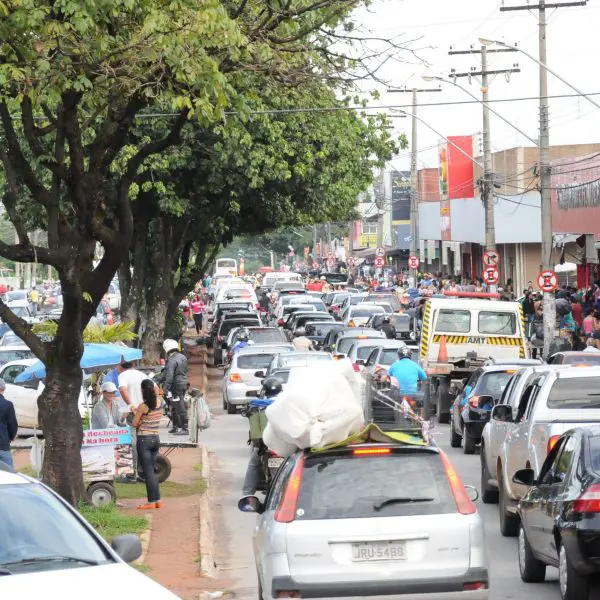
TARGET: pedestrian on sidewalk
(8,426)
(146,423)
(197,307)
(174,381)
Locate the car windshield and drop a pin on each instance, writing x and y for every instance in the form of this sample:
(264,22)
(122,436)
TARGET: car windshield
(390,299)
(453,321)
(363,352)
(575,392)
(400,322)
(493,384)
(35,525)
(497,323)
(254,361)
(260,336)
(350,486)
(302,360)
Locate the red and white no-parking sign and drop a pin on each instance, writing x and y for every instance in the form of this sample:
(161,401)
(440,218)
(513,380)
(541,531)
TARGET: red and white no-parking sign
(414,262)
(491,258)
(315,265)
(547,281)
(491,275)
(350,261)
(379,262)
(331,261)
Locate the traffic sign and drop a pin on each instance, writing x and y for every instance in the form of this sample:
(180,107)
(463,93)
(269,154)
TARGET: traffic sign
(379,262)
(491,275)
(380,252)
(547,281)
(491,258)
(350,261)
(315,265)
(414,262)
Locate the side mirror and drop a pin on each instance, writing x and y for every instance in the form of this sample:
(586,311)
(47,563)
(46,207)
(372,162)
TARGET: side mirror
(472,493)
(127,546)
(360,361)
(260,374)
(502,412)
(251,504)
(524,477)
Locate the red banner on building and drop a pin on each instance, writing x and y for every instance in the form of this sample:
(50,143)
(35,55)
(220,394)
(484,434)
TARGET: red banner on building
(460,166)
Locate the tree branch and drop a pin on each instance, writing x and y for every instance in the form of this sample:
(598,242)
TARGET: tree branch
(23,330)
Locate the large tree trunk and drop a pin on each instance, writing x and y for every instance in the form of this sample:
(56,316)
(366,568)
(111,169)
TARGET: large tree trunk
(153,336)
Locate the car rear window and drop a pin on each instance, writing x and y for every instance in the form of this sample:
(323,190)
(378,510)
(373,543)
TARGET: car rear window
(267,335)
(291,360)
(493,384)
(453,321)
(576,392)
(254,361)
(497,323)
(389,357)
(366,312)
(400,322)
(321,329)
(227,326)
(350,486)
(390,299)
(365,351)
(589,358)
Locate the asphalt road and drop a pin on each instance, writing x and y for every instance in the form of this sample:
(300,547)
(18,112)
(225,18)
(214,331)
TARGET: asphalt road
(227,439)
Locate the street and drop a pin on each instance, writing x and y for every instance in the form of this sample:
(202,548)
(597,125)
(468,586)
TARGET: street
(227,440)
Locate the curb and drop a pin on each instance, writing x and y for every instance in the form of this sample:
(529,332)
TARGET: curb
(206,543)
(145,539)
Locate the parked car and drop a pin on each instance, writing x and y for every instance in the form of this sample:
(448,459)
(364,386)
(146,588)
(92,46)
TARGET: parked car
(240,378)
(370,520)
(46,545)
(555,400)
(560,515)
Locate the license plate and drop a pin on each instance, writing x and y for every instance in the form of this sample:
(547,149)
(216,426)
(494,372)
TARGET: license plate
(275,463)
(376,551)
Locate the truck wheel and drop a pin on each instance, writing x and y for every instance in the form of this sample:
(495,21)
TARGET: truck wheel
(488,494)
(443,401)
(509,523)
(468,442)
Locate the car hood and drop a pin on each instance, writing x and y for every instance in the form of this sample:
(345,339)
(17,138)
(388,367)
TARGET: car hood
(118,581)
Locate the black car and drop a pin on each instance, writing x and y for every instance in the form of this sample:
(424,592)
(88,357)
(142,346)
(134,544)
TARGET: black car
(560,515)
(317,331)
(300,319)
(224,329)
(403,325)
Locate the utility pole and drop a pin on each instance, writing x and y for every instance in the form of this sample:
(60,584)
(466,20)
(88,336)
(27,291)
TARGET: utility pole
(314,243)
(487,180)
(549,303)
(414,173)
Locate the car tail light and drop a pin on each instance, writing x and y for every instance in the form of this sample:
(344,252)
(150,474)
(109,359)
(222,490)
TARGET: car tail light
(371,451)
(474,586)
(286,512)
(474,401)
(589,501)
(257,306)
(356,368)
(287,594)
(552,442)
(280,322)
(235,378)
(463,503)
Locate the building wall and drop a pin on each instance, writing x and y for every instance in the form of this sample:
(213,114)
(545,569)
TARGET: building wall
(429,185)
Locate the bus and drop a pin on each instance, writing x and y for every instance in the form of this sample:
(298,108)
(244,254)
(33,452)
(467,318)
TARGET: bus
(226,266)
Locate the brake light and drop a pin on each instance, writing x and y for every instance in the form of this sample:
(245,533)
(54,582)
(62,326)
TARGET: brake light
(235,378)
(552,442)
(474,401)
(463,503)
(356,368)
(589,501)
(371,451)
(280,322)
(257,306)
(335,308)
(286,512)
(474,586)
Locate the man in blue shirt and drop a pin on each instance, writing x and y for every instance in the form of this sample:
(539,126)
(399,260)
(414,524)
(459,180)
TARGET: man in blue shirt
(407,372)
(8,426)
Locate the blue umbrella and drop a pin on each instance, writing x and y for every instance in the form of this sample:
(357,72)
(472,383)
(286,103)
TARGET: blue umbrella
(96,357)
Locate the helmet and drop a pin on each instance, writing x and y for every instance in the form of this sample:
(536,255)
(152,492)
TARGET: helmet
(385,320)
(170,345)
(272,386)
(243,335)
(403,352)
(300,332)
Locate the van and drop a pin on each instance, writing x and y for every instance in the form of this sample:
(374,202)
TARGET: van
(458,335)
(271,279)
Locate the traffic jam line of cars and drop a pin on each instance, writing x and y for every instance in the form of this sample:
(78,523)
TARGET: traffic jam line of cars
(334,525)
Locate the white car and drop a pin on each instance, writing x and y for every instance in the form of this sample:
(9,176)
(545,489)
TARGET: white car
(22,309)
(358,315)
(47,549)
(114,297)
(237,294)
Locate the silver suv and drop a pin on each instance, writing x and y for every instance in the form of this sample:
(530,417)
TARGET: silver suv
(553,400)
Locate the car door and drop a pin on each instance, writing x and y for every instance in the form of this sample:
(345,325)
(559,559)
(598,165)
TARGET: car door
(498,429)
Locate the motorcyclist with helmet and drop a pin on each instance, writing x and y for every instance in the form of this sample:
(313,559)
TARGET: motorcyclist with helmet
(407,372)
(174,381)
(271,389)
(301,342)
(387,328)
(243,340)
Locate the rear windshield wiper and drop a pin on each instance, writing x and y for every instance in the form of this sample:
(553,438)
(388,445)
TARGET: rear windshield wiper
(57,558)
(406,500)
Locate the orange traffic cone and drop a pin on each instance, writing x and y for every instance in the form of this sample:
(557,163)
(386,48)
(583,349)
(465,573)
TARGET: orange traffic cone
(443,353)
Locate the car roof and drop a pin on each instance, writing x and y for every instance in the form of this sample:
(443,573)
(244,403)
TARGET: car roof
(10,477)
(321,321)
(504,367)
(575,373)
(23,362)
(263,349)
(365,305)
(14,347)
(358,331)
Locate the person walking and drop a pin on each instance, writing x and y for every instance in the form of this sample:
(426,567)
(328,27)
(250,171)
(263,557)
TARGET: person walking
(197,307)
(8,426)
(173,379)
(34,299)
(146,422)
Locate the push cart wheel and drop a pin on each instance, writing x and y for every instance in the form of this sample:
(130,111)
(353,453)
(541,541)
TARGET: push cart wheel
(100,493)
(162,469)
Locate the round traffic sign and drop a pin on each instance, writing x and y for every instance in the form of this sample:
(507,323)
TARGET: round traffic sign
(547,281)
(379,262)
(315,265)
(491,275)
(331,261)
(414,262)
(380,252)
(350,261)
(491,258)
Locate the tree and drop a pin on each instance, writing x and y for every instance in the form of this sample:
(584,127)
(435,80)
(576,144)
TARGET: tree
(74,76)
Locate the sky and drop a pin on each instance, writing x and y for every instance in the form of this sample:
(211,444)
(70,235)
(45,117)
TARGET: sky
(436,25)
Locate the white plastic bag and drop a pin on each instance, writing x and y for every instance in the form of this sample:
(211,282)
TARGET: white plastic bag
(204,414)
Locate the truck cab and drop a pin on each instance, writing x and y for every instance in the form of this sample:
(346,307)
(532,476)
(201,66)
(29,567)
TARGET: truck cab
(459,335)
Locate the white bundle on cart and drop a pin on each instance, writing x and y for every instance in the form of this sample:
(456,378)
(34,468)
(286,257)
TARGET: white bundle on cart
(319,406)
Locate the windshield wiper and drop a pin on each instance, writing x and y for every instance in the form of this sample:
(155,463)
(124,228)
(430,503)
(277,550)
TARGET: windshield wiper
(406,500)
(57,558)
